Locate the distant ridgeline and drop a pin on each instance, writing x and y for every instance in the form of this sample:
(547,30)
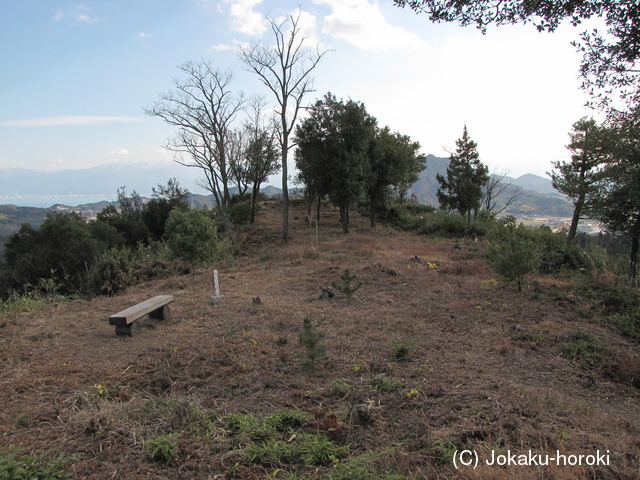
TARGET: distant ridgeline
(537,198)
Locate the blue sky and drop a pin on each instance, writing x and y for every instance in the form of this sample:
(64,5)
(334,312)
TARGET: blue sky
(77,76)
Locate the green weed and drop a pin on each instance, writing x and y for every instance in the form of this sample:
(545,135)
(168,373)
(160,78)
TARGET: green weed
(163,448)
(583,348)
(386,384)
(402,348)
(16,465)
(627,325)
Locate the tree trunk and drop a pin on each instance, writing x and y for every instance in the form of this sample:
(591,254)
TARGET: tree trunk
(635,247)
(285,174)
(372,214)
(344,218)
(573,229)
(255,191)
(318,211)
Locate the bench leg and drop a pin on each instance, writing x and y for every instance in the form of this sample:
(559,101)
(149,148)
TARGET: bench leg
(163,313)
(128,330)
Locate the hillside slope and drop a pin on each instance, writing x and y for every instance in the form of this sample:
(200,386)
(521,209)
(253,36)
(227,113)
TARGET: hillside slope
(485,368)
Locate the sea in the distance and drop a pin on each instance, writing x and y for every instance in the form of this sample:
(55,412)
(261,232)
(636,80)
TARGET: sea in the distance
(46,202)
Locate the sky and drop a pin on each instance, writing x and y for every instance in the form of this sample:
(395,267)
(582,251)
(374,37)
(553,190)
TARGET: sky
(76,77)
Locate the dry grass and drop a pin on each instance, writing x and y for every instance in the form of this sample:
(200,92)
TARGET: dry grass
(486,371)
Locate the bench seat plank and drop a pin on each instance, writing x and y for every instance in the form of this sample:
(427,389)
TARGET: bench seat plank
(131,314)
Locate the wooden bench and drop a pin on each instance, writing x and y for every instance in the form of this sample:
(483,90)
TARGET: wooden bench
(127,321)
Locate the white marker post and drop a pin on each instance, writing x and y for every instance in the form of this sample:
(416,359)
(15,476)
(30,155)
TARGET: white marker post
(216,298)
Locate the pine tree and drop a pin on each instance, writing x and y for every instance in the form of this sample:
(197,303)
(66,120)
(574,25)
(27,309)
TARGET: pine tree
(461,190)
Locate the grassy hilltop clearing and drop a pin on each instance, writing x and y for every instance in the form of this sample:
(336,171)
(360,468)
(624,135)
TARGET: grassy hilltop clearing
(432,354)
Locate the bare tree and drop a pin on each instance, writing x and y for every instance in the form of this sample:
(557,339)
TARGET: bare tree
(203,108)
(494,189)
(284,68)
(262,153)
(238,164)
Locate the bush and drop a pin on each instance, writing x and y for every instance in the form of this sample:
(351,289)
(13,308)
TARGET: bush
(513,258)
(192,236)
(240,212)
(424,220)
(59,252)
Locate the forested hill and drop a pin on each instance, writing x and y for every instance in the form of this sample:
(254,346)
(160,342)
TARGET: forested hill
(537,197)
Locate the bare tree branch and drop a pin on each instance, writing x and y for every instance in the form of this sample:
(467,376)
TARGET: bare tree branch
(285,69)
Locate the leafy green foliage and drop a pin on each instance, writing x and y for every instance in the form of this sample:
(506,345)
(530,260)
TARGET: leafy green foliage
(59,250)
(16,465)
(192,236)
(514,257)
(332,155)
(313,342)
(127,218)
(394,161)
(348,286)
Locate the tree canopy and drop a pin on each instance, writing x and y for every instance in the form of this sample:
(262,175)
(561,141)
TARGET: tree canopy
(591,146)
(333,144)
(461,189)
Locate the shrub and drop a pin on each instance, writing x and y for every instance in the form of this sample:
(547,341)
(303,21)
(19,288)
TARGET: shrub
(513,258)
(240,212)
(59,251)
(192,236)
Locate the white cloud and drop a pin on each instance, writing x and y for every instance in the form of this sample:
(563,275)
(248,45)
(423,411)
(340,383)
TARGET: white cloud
(121,152)
(144,35)
(361,23)
(67,120)
(221,47)
(80,13)
(244,19)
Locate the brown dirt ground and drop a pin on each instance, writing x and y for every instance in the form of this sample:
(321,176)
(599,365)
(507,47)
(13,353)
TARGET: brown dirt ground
(487,369)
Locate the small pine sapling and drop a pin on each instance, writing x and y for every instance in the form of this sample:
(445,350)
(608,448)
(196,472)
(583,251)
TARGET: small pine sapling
(347,287)
(313,342)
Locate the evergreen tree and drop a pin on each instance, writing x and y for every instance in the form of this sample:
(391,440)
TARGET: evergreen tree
(333,147)
(616,199)
(591,146)
(461,190)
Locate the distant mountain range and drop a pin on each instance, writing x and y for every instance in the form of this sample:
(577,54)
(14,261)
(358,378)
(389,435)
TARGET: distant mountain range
(102,180)
(536,198)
